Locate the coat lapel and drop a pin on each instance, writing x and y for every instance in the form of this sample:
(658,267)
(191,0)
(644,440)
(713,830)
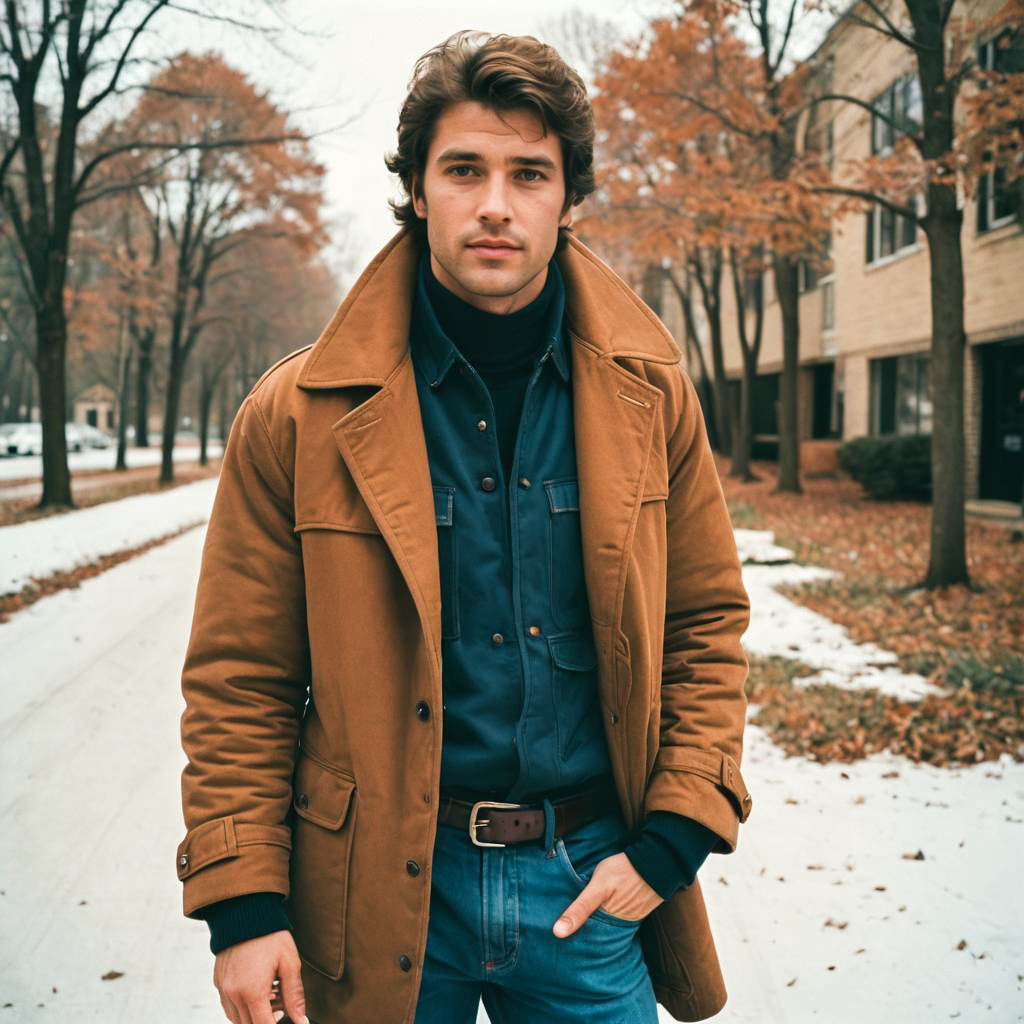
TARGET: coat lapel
(383,445)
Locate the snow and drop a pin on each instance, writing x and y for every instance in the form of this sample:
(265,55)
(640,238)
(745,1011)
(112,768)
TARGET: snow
(16,467)
(91,761)
(828,842)
(60,542)
(782,628)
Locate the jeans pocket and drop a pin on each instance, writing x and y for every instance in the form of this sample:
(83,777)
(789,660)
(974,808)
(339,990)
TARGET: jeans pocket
(581,880)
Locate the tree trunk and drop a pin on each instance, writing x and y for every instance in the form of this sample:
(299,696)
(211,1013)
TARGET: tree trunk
(176,372)
(51,347)
(787,289)
(144,343)
(123,409)
(207,388)
(222,408)
(948,558)
(744,438)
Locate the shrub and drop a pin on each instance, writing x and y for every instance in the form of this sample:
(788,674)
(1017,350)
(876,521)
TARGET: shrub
(891,467)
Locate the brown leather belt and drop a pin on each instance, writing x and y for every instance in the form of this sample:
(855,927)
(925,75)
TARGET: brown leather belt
(499,823)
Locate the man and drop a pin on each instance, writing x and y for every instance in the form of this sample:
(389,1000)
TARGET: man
(465,683)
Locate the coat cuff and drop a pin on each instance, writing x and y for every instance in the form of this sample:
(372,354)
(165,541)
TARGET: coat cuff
(669,851)
(702,784)
(241,918)
(225,857)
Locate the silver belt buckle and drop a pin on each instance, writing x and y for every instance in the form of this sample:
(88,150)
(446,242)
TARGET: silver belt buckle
(474,824)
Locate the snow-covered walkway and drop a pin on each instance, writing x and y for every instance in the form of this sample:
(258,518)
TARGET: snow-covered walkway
(824,913)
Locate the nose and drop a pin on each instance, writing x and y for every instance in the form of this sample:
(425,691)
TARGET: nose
(494,201)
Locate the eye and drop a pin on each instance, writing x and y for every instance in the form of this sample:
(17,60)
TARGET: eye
(459,167)
(528,170)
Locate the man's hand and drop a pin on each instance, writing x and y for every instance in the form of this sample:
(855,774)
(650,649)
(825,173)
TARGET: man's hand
(617,887)
(245,974)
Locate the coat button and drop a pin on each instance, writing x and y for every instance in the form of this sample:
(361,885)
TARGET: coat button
(302,800)
(497,639)
(404,962)
(412,867)
(481,424)
(488,483)
(183,860)
(535,631)
(422,710)
(524,482)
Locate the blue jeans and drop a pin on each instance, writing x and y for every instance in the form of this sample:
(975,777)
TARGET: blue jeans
(491,914)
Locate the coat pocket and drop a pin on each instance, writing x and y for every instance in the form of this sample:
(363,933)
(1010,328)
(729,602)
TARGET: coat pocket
(324,802)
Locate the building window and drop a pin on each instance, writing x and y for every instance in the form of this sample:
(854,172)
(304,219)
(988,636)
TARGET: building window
(999,200)
(899,113)
(828,305)
(900,400)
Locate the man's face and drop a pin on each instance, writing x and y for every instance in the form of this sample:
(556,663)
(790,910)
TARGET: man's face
(492,195)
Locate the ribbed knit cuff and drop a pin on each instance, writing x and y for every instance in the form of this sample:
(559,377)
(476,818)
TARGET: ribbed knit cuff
(244,917)
(669,851)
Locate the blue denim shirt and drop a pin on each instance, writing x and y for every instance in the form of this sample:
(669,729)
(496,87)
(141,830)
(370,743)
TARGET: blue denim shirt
(519,666)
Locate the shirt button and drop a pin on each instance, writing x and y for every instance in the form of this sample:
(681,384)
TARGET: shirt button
(535,631)
(481,425)
(412,867)
(488,483)
(404,962)
(524,482)
(497,639)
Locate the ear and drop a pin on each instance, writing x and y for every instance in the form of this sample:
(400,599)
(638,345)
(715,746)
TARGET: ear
(419,204)
(566,218)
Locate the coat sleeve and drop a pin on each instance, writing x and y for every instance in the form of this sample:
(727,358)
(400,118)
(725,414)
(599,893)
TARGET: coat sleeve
(703,704)
(245,678)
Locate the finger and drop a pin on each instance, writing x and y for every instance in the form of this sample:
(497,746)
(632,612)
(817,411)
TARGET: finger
(259,1011)
(292,992)
(229,1009)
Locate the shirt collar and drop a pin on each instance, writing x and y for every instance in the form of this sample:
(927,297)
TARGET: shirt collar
(435,352)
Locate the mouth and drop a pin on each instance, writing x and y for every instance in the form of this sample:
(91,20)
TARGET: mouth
(493,250)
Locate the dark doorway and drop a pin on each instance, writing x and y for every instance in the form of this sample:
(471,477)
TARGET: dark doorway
(1001,470)
(821,390)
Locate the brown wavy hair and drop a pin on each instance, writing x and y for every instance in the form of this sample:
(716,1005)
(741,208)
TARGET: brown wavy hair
(502,72)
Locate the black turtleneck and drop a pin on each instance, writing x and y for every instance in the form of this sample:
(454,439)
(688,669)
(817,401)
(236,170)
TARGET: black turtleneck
(501,347)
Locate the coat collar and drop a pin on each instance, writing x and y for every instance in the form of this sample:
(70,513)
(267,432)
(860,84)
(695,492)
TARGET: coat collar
(368,335)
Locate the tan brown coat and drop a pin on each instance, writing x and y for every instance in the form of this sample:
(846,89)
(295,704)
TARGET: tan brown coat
(320,570)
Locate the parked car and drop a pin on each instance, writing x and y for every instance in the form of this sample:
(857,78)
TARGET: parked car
(75,437)
(24,439)
(94,437)
(6,429)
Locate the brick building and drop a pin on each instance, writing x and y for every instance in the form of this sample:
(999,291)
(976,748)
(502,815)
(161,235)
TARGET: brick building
(865,325)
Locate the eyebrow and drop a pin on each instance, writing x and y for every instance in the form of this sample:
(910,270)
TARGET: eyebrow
(468,156)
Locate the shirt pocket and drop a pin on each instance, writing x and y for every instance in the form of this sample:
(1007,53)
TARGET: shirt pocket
(574,686)
(567,586)
(447,560)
